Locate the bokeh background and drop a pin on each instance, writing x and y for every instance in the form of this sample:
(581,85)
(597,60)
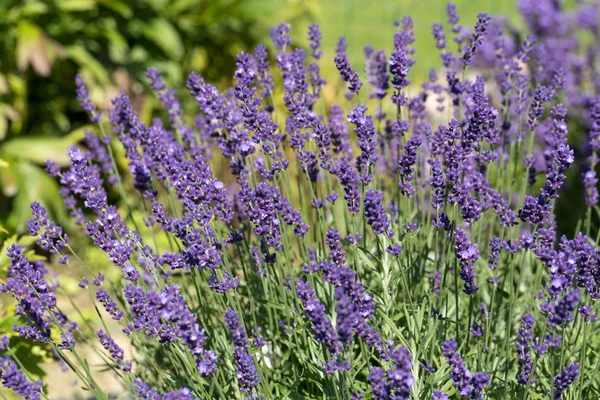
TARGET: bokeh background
(45,43)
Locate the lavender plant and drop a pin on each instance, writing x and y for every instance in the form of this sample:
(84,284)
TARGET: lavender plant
(371,249)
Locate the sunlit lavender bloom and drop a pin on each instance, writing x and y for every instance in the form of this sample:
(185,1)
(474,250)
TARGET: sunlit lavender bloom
(143,391)
(561,311)
(468,384)
(264,79)
(115,351)
(109,304)
(339,131)
(27,283)
(541,95)
(394,383)
(494,256)
(165,315)
(453,17)
(399,67)
(588,313)
(52,237)
(438,193)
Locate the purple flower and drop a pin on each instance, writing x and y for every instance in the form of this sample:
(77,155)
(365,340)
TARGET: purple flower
(166,316)
(439,36)
(563,380)
(115,351)
(280,36)
(590,183)
(406,166)
(246,370)
(83,95)
(523,342)
(588,313)
(467,254)
(52,237)
(347,73)
(481,26)
(438,395)
(314,37)
(365,131)
(143,391)
(399,67)
(13,378)
(339,131)
(452,15)
(395,383)
(377,74)
(109,304)
(315,311)
(438,193)
(26,282)
(375,213)
(561,311)
(468,384)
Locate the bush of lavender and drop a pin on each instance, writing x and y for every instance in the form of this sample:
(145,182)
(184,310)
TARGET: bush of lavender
(396,245)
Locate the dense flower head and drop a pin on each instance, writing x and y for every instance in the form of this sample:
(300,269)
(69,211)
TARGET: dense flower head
(468,384)
(13,378)
(375,213)
(321,324)
(563,380)
(396,382)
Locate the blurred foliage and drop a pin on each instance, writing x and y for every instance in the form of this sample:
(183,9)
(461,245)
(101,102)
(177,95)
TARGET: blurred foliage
(45,43)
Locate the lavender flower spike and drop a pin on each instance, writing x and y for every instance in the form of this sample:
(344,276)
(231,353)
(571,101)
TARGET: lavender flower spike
(83,95)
